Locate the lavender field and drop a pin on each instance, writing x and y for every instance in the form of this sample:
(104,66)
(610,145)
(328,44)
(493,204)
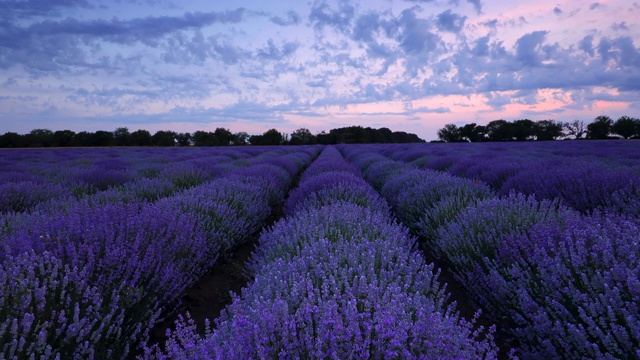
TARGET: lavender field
(389,251)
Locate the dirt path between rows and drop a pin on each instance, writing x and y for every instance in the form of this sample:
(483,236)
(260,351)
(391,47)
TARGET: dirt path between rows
(464,305)
(209,296)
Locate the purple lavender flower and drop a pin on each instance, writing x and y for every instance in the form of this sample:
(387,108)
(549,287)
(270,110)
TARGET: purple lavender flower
(316,183)
(24,195)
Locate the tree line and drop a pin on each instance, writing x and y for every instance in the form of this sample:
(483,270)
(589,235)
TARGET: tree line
(602,127)
(220,137)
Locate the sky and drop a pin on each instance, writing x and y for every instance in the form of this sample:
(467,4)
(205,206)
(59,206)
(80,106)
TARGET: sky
(409,65)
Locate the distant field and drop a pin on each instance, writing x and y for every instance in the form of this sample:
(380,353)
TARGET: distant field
(369,245)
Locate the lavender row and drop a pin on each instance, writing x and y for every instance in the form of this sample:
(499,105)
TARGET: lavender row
(336,278)
(585,176)
(31,177)
(47,178)
(89,282)
(563,284)
(153,185)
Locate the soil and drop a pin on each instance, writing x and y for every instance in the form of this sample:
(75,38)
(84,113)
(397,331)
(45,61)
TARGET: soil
(206,299)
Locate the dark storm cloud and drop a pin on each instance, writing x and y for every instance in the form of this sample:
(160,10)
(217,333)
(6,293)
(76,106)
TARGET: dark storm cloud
(450,21)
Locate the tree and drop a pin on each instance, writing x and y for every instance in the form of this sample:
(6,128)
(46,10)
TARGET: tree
(63,138)
(272,137)
(626,127)
(523,130)
(183,139)
(121,137)
(140,138)
(545,130)
(499,130)
(576,129)
(381,136)
(473,133)
(203,138)
(302,136)
(323,138)
(164,138)
(255,139)
(599,128)
(222,137)
(404,137)
(40,138)
(240,138)
(101,138)
(12,140)
(83,138)
(450,133)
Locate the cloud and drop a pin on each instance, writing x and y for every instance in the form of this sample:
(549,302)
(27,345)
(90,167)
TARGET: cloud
(145,30)
(427,110)
(11,10)
(449,21)
(415,36)
(481,47)
(528,48)
(68,45)
(497,100)
(273,52)
(331,53)
(620,50)
(292,19)
(477,4)
(366,27)
(322,15)
(621,26)
(586,45)
(319,83)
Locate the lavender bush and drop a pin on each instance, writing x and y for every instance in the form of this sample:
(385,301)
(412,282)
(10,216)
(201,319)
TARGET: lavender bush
(24,195)
(131,259)
(471,240)
(50,310)
(576,287)
(338,281)
(229,209)
(416,204)
(316,183)
(585,186)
